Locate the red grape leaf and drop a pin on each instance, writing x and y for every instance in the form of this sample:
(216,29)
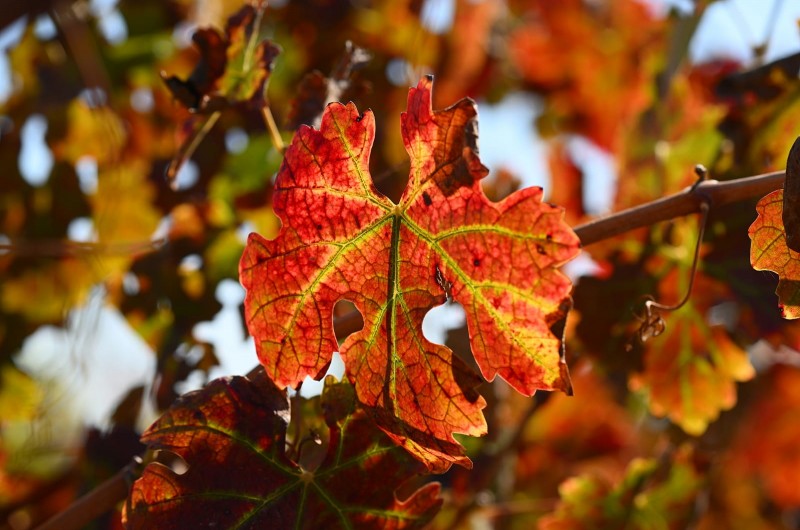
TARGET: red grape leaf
(769,251)
(232,435)
(342,239)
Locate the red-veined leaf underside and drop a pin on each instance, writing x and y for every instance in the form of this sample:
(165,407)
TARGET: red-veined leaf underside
(342,240)
(232,435)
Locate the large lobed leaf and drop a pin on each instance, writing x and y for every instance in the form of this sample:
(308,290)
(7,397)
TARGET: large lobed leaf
(232,434)
(342,239)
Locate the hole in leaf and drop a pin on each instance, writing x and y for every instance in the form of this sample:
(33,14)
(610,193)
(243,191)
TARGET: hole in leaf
(347,319)
(313,387)
(178,465)
(441,319)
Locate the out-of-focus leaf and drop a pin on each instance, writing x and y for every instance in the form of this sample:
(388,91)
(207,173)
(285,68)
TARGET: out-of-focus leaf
(762,132)
(94,132)
(647,498)
(764,457)
(56,288)
(396,262)
(234,67)
(123,208)
(566,433)
(316,90)
(467,61)
(660,159)
(691,370)
(232,435)
(20,396)
(592,61)
(566,181)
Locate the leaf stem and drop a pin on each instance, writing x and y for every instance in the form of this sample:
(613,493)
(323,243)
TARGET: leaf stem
(187,149)
(272,127)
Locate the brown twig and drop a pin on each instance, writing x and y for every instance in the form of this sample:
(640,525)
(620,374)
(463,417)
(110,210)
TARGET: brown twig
(95,503)
(58,248)
(686,202)
(683,203)
(78,38)
(189,146)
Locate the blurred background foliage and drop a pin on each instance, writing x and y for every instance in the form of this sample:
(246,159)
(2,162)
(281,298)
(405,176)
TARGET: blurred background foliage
(118,286)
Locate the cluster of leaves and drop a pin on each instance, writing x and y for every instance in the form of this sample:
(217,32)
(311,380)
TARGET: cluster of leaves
(356,229)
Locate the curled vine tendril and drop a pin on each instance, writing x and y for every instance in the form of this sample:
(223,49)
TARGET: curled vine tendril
(652,323)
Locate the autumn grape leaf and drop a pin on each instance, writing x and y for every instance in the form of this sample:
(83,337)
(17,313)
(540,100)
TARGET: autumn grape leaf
(690,372)
(648,497)
(594,64)
(765,449)
(234,68)
(769,251)
(342,239)
(232,435)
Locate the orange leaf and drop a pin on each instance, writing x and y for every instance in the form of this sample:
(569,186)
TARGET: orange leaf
(690,372)
(769,251)
(593,62)
(342,239)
